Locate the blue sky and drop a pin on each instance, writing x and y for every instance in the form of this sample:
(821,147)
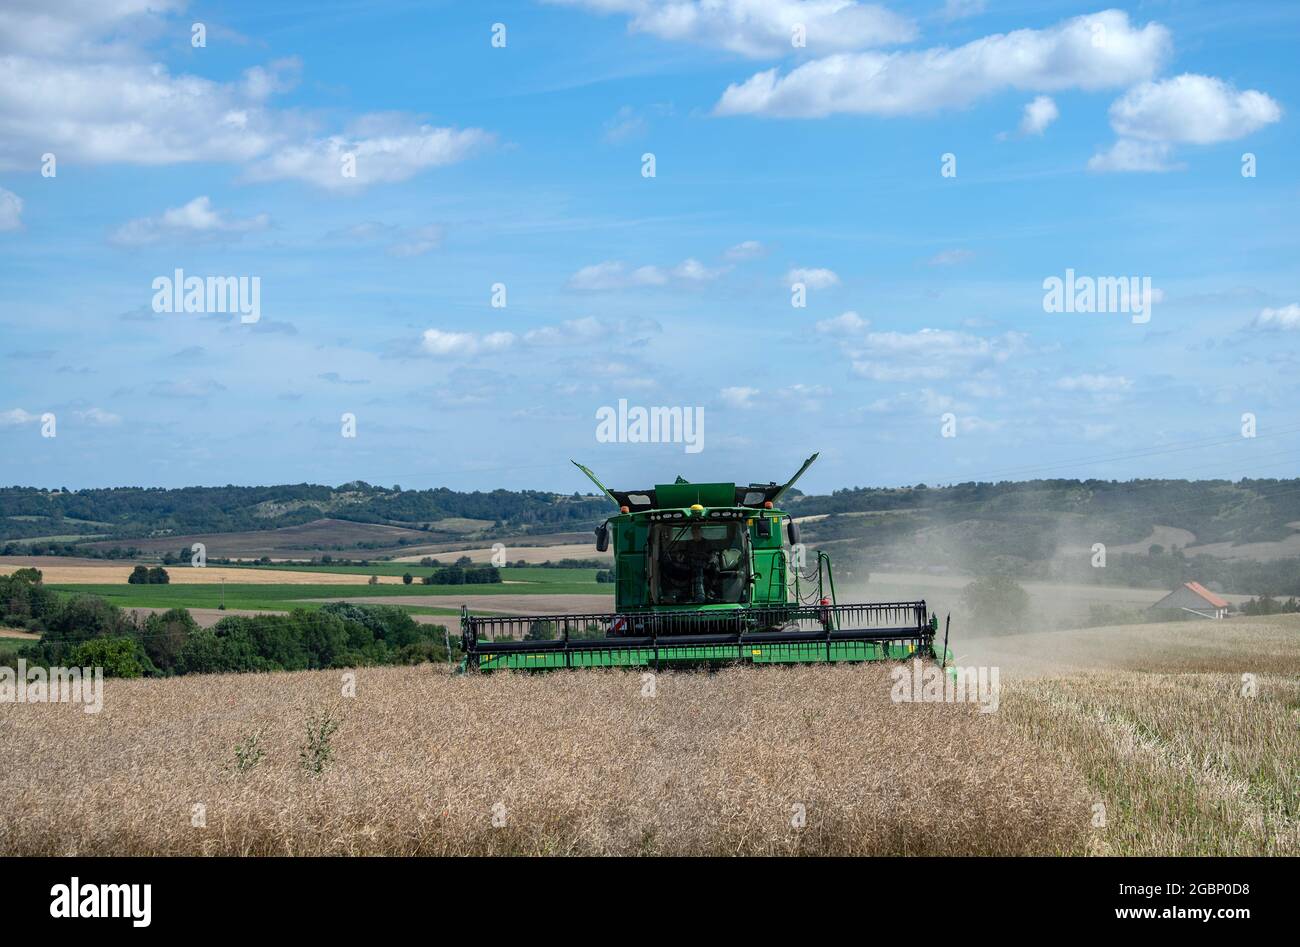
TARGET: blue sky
(1104,140)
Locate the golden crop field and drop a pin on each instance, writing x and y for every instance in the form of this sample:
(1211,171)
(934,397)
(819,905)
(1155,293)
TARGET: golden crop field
(798,760)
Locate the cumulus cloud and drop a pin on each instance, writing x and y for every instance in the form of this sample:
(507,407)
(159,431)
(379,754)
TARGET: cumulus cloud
(760,28)
(196,220)
(1061,57)
(1188,109)
(15,417)
(380,149)
(813,278)
(73,83)
(1287,317)
(120,111)
(99,417)
(1192,109)
(615,274)
(573,332)
(929,353)
(845,324)
(446,344)
(72,26)
(11,210)
(1129,155)
(745,250)
(1038,114)
(740,396)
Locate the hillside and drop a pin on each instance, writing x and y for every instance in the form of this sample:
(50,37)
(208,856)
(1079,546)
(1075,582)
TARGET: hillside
(1241,536)
(106,516)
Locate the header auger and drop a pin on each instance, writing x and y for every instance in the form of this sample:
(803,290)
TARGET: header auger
(706,574)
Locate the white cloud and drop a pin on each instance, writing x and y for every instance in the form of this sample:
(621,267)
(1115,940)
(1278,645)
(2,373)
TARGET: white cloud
(615,274)
(1192,109)
(901,83)
(818,278)
(118,111)
(693,271)
(1094,383)
(74,82)
(99,417)
(951,257)
(395,150)
(15,417)
(760,28)
(573,332)
(11,210)
(1039,113)
(1287,317)
(197,219)
(739,397)
(1129,155)
(1188,109)
(929,353)
(71,26)
(443,344)
(941,343)
(586,329)
(745,250)
(845,324)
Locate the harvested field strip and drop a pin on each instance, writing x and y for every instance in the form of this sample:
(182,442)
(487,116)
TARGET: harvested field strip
(1184,764)
(262,597)
(571,763)
(189,575)
(394,570)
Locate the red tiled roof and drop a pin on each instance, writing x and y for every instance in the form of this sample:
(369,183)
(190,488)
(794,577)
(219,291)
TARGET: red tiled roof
(1206,594)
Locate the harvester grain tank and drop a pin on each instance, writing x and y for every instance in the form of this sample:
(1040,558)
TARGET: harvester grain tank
(707,574)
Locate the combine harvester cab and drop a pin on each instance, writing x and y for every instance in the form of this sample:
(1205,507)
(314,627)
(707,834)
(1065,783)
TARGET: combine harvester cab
(706,574)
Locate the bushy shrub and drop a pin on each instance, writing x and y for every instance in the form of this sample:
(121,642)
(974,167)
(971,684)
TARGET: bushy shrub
(119,657)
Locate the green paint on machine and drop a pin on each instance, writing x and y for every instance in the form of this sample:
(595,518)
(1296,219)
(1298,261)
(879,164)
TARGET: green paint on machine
(707,574)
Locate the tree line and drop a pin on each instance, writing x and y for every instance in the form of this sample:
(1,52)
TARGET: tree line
(86,631)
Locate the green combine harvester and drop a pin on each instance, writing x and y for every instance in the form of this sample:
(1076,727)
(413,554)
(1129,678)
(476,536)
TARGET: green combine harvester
(706,574)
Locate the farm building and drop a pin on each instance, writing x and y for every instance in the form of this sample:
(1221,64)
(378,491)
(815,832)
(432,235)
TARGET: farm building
(1193,598)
